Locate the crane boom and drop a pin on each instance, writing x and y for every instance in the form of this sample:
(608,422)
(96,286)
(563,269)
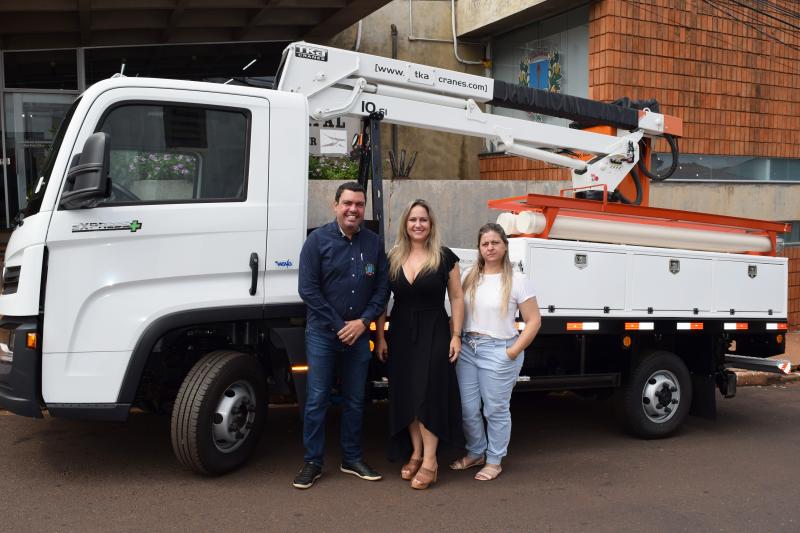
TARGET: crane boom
(340,82)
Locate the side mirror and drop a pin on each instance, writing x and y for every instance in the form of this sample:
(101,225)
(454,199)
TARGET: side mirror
(88,179)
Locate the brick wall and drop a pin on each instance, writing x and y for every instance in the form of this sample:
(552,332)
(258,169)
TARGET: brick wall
(508,167)
(730,73)
(793,253)
(735,83)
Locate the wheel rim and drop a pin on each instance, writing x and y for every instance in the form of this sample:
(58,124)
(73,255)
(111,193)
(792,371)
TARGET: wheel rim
(234,416)
(661,396)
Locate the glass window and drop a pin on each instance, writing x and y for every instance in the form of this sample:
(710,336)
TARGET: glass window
(44,69)
(792,237)
(550,54)
(166,153)
(728,167)
(35,198)
(31,132)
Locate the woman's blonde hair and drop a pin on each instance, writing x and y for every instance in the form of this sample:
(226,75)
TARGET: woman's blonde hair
(402,246)
(475,275)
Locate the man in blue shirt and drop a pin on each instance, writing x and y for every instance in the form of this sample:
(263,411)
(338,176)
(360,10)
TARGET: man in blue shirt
(345,285)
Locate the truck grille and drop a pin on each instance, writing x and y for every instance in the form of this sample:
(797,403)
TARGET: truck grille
(10,279)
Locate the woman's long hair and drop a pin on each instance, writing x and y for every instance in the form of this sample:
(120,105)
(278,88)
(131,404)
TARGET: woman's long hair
(402,246)
(475,275)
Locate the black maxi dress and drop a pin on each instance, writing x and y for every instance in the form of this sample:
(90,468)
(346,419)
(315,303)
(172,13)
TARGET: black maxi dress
(422,381)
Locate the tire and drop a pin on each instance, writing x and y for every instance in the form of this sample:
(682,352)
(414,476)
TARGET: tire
(219,413)
(658,395)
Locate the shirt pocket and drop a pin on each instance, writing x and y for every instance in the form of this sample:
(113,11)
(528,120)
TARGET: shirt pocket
(368,267)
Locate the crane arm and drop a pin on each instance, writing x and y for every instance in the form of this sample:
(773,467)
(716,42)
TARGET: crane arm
(340,82)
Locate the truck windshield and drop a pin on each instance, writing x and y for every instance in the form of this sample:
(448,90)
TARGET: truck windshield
(35,199)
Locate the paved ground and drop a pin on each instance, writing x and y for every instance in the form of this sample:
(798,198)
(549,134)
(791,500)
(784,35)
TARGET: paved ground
(569,469)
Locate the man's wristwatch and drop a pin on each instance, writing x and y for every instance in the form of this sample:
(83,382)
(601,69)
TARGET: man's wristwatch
(365,321)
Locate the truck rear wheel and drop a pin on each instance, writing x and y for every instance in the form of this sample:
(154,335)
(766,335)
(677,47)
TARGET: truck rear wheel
(219,413)
(658,395)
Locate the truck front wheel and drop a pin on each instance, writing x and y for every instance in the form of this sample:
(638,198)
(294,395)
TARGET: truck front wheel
(658,395)
(219,412)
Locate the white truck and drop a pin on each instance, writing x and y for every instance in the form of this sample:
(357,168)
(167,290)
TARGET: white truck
(155,265)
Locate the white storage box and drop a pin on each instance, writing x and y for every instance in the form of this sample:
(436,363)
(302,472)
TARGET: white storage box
(613,280)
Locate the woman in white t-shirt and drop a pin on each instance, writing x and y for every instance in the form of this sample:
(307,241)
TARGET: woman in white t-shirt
(491,350)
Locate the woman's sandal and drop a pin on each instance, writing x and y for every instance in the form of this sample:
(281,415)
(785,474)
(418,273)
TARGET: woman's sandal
(410,469)
(488,472)
(466,462)
(424,478)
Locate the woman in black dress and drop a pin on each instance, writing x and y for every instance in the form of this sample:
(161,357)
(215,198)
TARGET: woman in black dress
(424,401)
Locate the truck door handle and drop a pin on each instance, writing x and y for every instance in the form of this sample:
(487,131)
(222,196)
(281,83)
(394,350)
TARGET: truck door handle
(254,271)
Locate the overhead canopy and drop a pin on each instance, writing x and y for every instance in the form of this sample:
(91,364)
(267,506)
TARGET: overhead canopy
(45,24)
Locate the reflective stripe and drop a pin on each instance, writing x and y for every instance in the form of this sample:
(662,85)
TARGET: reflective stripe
(639,326)
(736,325)
(583,326)
(690,325)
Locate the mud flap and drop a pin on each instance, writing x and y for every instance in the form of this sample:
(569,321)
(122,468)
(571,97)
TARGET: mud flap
(704,396)
(726,381)
(293,341)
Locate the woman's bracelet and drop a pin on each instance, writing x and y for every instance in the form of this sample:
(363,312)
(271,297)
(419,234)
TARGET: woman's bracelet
(456,334)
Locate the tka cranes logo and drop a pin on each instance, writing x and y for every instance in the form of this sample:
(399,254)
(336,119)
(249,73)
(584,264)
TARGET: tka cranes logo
(309,52)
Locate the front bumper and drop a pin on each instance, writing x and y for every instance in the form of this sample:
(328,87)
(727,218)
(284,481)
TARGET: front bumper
(20,367)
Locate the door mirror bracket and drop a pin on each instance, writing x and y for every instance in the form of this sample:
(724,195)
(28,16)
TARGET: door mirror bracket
(87,180)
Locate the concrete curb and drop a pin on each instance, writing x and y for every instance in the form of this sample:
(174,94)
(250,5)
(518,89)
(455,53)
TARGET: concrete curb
(749,378)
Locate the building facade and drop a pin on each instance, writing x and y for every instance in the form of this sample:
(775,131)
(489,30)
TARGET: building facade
(51,50)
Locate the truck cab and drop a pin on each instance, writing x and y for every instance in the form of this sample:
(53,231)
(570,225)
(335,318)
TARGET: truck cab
(164,204)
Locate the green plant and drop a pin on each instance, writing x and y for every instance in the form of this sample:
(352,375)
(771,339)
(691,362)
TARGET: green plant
(137,166)
(332,168)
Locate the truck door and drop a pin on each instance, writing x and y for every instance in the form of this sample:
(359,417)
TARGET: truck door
(182,231)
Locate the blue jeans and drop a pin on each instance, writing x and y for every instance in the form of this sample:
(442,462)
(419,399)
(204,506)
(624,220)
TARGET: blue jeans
(487,375)
(324,352)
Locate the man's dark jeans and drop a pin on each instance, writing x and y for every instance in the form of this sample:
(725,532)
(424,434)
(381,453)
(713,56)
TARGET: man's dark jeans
(324,352)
